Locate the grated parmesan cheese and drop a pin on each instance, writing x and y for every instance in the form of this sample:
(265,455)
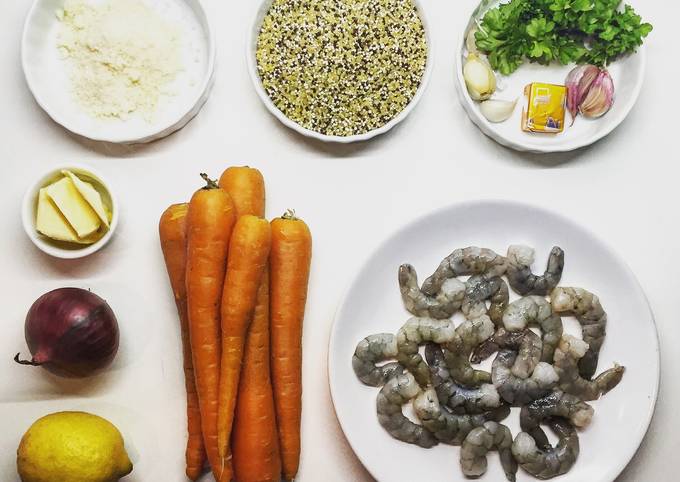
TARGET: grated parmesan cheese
(123,57)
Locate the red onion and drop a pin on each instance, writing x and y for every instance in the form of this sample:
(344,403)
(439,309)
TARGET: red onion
(71,332)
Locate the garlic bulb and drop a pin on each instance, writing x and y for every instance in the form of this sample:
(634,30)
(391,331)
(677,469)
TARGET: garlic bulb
(600,97)
(479,78)
(580,82)
(497,110)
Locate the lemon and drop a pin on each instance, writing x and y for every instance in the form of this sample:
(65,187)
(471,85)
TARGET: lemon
(73,447)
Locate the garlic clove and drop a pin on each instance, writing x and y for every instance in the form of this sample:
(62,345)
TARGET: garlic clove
(479,78)
(578,84)
(497,110)
(600,97)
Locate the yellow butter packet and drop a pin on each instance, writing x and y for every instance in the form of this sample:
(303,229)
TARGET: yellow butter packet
(546,108)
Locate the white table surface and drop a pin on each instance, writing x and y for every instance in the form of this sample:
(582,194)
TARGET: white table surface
(625,189)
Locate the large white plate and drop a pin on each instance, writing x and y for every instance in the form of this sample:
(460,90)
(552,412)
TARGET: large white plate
(628,74)
(373,305)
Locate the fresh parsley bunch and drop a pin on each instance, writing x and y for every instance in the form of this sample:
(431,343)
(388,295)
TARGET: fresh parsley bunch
(582,31)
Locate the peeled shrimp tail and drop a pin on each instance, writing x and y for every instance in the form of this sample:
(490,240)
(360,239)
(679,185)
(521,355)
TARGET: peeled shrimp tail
(369,352)
(526,343)
(481,288)
(587,366)
(484,351)
(557,404)
(499,302)
(440,305)
(463,262)
(457,352)
(479,442)
(551,332)
(546,463)
(397,392)
(535,311)
(454,396)
(528,355)
(417,332)
(461,370)
(523,281)
(587,309)
(447,427)
(520,391)
(502,339)
(568,353)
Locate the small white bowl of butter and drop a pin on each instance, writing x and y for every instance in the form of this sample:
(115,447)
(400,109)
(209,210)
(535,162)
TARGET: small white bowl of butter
(70,212)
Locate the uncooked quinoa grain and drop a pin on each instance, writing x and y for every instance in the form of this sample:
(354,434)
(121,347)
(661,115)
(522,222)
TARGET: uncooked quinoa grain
(341,67)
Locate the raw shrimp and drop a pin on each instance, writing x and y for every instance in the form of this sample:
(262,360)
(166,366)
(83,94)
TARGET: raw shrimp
(480,288)
(397,392)
(457,398)
(522,280)
(416,332)
(569,351)
(520,391)
(447,427)
(547,462)
(526,343)
(369,352)
(535,310)
(462,262)
(479,442)
(502,339)
(443,304)
(557,404)
(457,352)
(587,309)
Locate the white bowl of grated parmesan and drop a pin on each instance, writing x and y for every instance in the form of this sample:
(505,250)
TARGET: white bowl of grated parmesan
(301,40)
(120,71)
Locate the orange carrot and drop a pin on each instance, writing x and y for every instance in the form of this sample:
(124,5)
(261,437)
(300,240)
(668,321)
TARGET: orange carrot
(248,253)
(245,185)
(290,260)
(255,443)
(172,231)
(210,221)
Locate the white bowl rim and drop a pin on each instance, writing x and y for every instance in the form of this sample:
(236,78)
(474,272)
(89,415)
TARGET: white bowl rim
(487,128)
(257,84)
(28,217)
(330,363)
(159,132)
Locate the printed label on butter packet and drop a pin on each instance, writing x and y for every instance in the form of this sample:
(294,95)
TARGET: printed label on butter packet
(545,108)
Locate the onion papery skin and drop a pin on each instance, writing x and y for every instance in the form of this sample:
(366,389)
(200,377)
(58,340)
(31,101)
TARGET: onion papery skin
(71,332)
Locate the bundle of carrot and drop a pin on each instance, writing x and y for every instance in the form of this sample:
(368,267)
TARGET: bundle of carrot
(240,286)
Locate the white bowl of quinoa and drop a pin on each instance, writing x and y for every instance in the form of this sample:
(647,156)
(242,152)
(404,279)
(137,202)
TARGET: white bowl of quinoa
(340,70)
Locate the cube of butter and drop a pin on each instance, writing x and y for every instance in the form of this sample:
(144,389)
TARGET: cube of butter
(91,195)
(51,222)
(77,211)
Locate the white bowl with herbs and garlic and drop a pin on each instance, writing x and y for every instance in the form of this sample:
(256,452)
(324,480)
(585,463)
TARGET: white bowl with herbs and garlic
(120,71)
(339,71)
(70,212)
(554,80)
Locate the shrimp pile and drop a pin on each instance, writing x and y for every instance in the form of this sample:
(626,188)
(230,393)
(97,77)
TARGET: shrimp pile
(429,362)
